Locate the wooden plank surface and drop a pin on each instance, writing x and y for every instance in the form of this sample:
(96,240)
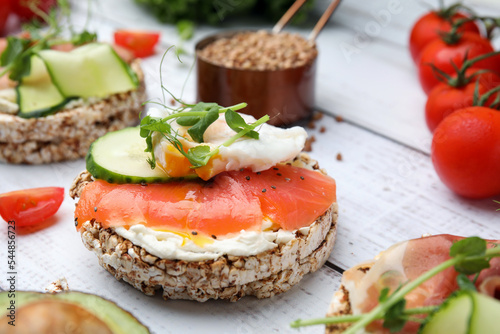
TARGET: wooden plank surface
(387,188)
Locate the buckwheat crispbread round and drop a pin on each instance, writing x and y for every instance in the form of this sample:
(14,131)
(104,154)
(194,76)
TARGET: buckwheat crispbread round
(227,277)
(68,134)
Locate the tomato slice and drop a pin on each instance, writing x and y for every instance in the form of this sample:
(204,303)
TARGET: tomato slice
(141,43)
(30,206)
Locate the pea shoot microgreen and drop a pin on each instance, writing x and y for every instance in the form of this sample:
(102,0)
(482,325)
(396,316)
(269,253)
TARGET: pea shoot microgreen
(199,118)
(468,256)
(16,59)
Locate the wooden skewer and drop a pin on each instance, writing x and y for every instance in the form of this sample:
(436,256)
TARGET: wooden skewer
(288,15)
(323,20)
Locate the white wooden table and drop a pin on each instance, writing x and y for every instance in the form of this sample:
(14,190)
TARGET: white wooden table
(387,188)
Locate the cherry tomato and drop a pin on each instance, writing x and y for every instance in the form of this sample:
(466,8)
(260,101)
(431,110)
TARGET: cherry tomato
(466,152)
(141,43)
(429,27)
(30,206)
(22,7)
(443,56)
(5,10)
(445,99)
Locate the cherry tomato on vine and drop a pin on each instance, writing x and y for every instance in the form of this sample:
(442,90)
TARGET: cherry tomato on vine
(30,206)
(444,99)
(429,27)
(466,152)
(141,43)
(444,55)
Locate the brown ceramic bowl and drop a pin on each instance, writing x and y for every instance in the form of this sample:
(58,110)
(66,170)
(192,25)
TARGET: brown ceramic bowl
(285,95)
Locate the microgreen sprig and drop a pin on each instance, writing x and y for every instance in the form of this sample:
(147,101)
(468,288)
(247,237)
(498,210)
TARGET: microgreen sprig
(468,256)
(199,118)
(16,59)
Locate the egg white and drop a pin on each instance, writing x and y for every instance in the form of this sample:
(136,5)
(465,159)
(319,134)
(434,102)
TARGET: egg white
(274,145)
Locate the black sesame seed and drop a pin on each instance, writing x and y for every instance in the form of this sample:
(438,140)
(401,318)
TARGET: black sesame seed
(95,209)
(274,187)
(242,169)
(194,233)
(276,168)
(143,183)
(248,178)
(258,173)
(279,174)
(301,177)
(76,221)
(214,236)
(264,190)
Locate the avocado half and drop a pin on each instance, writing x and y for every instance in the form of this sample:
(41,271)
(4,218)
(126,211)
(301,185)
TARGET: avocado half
(64,312)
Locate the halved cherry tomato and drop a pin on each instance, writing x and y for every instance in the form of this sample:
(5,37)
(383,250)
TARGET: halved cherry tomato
(30,206)
(444,99)
(428,28)
(23,10)
(443,56)
(141,43)
(466,152)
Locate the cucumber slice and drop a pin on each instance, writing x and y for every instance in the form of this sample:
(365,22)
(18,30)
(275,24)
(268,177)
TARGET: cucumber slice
(37,96)
(486,314)
(92,70)
(119,157)
(467,312)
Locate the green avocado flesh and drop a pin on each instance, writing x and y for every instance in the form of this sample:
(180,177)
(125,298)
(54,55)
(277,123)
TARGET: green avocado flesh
(119,157)
(72,312)
(466,313)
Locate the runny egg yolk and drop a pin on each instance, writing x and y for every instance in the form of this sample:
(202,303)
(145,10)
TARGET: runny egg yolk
(177,165)
(198,239)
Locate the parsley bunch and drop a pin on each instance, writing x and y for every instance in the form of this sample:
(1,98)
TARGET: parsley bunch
(468,256)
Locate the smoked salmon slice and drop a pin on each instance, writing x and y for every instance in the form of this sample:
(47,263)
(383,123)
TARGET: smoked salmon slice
(289,196)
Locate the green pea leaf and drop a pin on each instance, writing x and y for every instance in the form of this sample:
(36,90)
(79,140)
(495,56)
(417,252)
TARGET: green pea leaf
(468,247)
(197,130)
(465,283)
(185,29)
(238,124)
(199,155)
(394,318)
(83,38)
(188,120)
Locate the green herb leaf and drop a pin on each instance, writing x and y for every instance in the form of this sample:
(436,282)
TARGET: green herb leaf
(185,29)
(395,318)
(199,155)
(83,38)
(188,120)
(238,124)
(197,130)
(17,57)
(468,247)
(465,283)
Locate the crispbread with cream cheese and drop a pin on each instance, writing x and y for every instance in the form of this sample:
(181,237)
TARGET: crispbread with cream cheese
(68,134)
(227,277)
